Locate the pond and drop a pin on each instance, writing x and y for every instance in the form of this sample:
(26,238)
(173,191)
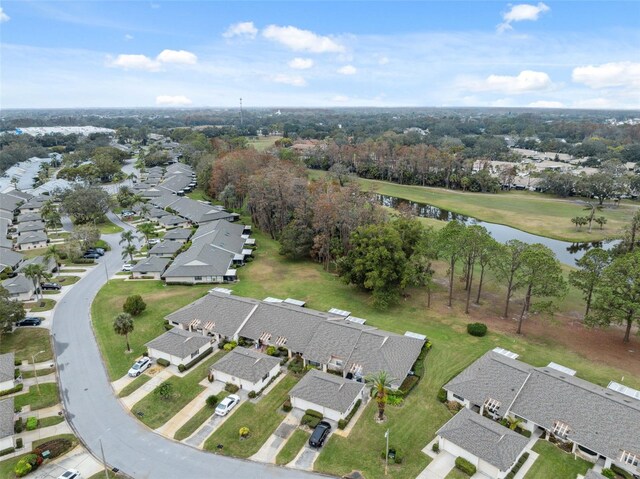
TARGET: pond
(566,252)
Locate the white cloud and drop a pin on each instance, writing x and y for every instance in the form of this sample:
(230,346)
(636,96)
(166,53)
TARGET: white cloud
(128,37)
(608,75)
(347,70)
(525,81)
(293,80)
(546,104)
(3,16)
(383,60)
(241,29)
(301,63)
(340,99)
(177,56)
(168,100)
(521,12)
(134,62)
(301,40)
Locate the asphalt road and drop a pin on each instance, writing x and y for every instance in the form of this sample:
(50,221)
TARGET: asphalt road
(97,416)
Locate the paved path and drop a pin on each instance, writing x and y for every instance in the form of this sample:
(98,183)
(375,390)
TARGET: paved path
(98,417)
(130,400)
(277,440)
(305,458)
(198,438)
(439,467)
(169,428)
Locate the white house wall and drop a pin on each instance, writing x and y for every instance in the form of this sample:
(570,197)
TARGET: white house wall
(243,383)
(6,442)
(7,385)
(139,274)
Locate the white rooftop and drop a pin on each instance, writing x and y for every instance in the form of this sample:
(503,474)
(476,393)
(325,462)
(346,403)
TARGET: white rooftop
(295,302)
(340,312)
(506,352)
(272,300)
(415,335)
(355,319)
(221,290)
(622,389)
(561,368)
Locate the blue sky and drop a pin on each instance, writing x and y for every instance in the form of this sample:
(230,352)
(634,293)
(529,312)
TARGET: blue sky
(315,53)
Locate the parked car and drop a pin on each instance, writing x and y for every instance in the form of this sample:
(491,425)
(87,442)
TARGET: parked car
(91,255)
(139,367)
(100,251)
(127,267)
(227,404)
(127,213)
(70,474)
(153,241)
(319,434)
(45,286)
(30,321)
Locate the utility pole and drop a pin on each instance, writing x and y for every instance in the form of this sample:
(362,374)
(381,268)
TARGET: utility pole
(104,462)
(241,113)
(386,456)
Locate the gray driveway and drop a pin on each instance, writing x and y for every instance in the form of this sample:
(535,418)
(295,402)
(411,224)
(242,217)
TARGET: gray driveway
(98,417)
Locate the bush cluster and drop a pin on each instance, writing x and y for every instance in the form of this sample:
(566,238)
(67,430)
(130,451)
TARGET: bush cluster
(342,423)
(395,455)
(17,388)
(19,443)
(212,401)
(231,388)
(311,421)
(477,329)
(32,423)
(436,447)
(608,473)
(163,362)
(514,470)
(296,365)
(286,406)
(18,426)
(230,346)
(134,305)
(252,394)
(465,466)
(442,395)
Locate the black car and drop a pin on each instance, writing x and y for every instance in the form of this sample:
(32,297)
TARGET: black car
(98,251)
(29,321)
(91,255)
(50,286)
(319,434)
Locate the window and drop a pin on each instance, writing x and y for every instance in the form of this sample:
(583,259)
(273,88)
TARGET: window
(265,377)
(560,429)
(315,364)
(197,278)
(459,398)
(630,458)
(194,354)
(491,405)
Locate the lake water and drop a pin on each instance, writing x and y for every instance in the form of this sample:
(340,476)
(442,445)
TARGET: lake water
(566,252)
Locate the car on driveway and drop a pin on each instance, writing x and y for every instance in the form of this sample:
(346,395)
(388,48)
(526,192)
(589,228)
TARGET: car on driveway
(50,286)
(153,241)
(127,267)
(70,474)
(99,251)
(319,434)
(139,367)
(91,255)
(30,321)
(227,405)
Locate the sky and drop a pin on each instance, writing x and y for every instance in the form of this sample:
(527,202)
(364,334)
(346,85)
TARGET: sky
(552,54)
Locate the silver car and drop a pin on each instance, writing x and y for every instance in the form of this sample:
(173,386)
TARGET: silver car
(227,405)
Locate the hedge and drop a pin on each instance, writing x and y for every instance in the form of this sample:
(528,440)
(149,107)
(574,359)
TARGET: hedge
(409,383)
(342,423)
(18,426)
(15,389)
(477,329)
(32,423)
(311,421)
(621,472)
(465,466)
(19,443)
(608,473)
(313,412)
(190,364)
(6,451)
(163,362)
(514,470)
(231,388)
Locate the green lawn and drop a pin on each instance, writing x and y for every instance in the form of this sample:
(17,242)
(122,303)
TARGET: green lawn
(195,422)
(7,465)
(72,270)
(32,253)
(262,419)
(44,304)
(198,194)
(456,474)
(263,143)
(50,421)
(157,411)
(48,396)
(66,280)
(111,475)
(25,342)
(41,372)
(291,449)
(528,211)
(161,300)
(133,385)
(108,228)
(554,462)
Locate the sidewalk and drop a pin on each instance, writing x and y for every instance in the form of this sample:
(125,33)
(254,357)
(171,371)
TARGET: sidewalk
(278,439)
(78,458)
(40,413)
(48,378)
(44,365)
(145,389)
(169,428)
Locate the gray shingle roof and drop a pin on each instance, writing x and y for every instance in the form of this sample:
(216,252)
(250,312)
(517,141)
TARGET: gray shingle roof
(18,285)
(165,247)
(247,364)
(484,438)
(10,202)
(333,338)
(591,474)
(26,217)
(171,220)
(178,342)
(30,226)
(10,258)
(225,311)
(153,264)
(176,182)
(32,237)
(48,263)
(178,234)
(7,367)
(327,390)
(164,200)
(157,213)
(6,417)
(492,376)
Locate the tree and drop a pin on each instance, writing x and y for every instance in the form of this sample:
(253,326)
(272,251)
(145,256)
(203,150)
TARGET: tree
(86,204)
(134,305)
(632,233)
(126,236)
(588,276)
(10,311)
(381,383)
(542,277)
(85,236)
(419,271)
(508,266)
(476,240)
(617,298)
(129,250)
(601,220)
(147,229)
(451,246)
(600,185)
(52,252)
(123,325)
(486,258)
(37,274)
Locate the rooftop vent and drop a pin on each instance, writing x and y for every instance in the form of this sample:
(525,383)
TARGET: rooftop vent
(561,368)
(295,302)
(506,352)
(221,290)
(409,334)
(622,389)
(340,312)
(355,319)
(272,300)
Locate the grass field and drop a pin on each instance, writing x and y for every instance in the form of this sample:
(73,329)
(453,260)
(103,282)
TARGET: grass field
(25,342)
(161,300)
(44,304)
(456,473)
(196,420)
(528,211)
(554,462)
(50,421)
(108,228)
(48,396)
(133,385)
(291,449)
(156,411)
(263,143)
(262,419)
(41,372)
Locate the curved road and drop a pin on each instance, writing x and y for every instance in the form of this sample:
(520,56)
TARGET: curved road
(96,414)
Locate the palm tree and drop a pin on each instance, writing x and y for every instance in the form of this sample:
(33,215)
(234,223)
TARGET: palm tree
(147,229)
(381,382)
(123,325)
(144,210)
(37,274)
(53,252)
(129,251)
(127,237)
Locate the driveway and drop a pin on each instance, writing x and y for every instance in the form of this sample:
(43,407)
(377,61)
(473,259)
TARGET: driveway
(99,418)
(440,467)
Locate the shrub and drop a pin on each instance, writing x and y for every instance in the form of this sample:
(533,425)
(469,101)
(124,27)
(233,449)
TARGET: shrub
(168,326)
(19,443)
(230,346)
(408,384)
(231,388)
(477,329)
(23,467)
(272,351)
(286,406)
(164,391)
(465,466)
(621,472)
(310,421)
(511,475)
(56,447)
(342,423)
(16,373)
(436,447)
(313,412)
(18,427)
(244,432)
(32,423)
(134,305)
(8,450)
(212,401)
(14,389)
(163,362)
(17,362)
(442,395)
(182,368)
(295,365)
(252,394)
(210,377)
(608,473)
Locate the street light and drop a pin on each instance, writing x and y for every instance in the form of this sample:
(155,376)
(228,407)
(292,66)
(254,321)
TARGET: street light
(35,372)
(386,457)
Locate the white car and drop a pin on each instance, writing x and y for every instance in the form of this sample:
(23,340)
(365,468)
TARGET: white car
(70,474)
(139,367)
(127,267)
(227,405)
(153,241)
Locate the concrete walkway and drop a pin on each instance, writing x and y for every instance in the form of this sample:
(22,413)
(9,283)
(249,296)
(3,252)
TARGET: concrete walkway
(39,366)
(48,378)
(78,458)
(277,440)
(305,458)
(40,413)
(28,437)
(439,467)
(198,438)
(145,389)
(169,428)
